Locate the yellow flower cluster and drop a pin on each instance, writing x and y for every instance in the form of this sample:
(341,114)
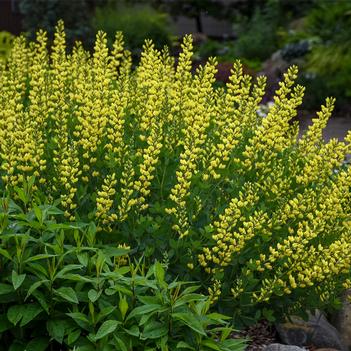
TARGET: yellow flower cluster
(197,117)
(104,201)
(246,195)
(229,236)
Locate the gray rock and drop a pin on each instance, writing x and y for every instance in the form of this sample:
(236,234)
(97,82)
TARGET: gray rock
(342,319)
(316,331)
(281,347)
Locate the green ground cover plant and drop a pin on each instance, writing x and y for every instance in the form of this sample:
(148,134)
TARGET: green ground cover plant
(61,287)
(180,171)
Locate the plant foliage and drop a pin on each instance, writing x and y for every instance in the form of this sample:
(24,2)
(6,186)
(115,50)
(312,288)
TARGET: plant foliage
(61,287)
(136,23)
(330,23)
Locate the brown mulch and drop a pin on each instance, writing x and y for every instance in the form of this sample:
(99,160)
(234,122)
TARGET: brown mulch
(261,335)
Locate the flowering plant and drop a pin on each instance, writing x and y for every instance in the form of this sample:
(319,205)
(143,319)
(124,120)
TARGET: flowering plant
(180,170)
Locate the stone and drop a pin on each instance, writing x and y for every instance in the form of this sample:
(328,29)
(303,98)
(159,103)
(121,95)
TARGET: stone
(328,349)
(281,347)
(317,331)
(342,319)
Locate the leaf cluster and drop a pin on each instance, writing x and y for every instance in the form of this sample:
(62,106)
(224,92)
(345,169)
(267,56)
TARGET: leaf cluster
(62,288)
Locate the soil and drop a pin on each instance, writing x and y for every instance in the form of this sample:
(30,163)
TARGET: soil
(261,335)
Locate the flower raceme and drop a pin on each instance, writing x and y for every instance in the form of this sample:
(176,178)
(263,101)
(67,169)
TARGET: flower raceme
(160,144)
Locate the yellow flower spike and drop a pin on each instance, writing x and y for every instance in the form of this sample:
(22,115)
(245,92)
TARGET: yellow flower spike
(197,119)
(104,202)
(117,54)
(314,133)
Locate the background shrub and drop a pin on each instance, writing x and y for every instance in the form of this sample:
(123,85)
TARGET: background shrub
(45,14)
(136,23)
(258,36)
(330,58)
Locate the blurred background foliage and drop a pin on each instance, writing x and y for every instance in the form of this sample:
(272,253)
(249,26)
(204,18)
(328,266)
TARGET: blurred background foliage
(267,35)
(45,14)
(330,58)
(136,23)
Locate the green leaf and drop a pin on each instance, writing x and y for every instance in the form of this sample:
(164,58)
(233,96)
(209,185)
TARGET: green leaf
(14,314)
(93,295)
(86,347)
(163,343)
(17,346)
(145,318)
(38,214)
(25,313)
(233,345)
(106,328)
(5,289)
(133,330)
(78,278)
(30,313)
(149,300)
(190,290)
(114,252)
(105,312)
(56,226)
(67,294)
(120,343)
(159,272)
(123,306)
(73,336)
(80,318)
(154,330)
(143,310)
(34,287)
(122,270)
(83,259)
(188,298)
(34,224)
(225,332)
(52,210)
(38,344)
(30,182)
(189,320)
(184,345)
(56,329)
(218,317)
(38,257)
(118,287)
(41,298)
(5,254)
(211,344)
(22,195)
(17,279)
(268,314)
(66,269)
(38,270)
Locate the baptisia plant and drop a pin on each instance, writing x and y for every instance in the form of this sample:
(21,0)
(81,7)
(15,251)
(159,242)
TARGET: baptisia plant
(181,171)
